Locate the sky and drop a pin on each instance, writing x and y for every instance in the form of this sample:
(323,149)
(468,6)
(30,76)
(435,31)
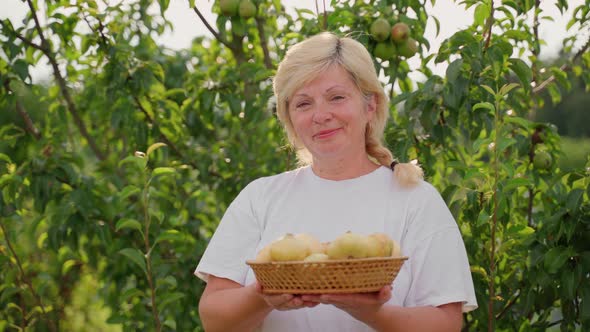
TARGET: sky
(452,18)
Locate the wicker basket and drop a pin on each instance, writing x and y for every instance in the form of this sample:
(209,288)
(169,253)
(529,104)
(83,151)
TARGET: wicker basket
(334,276)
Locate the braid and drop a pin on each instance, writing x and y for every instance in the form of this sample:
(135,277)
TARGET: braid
(408,174)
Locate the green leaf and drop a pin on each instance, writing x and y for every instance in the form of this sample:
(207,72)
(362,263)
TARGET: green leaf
(483,218)
(568,281)
(573,199)
(504,142)
(522,122)
(520,230)
(481,141)
(481,13)
(140,162)
(453,70)
(163,171)
(488,89)
(555,258)
(517,182)
(437,24)
(154,147)
(278,6)
(128,223)
(164,5)
(67,265)
(128,191)
(21,68)
(5,158)
(486,105)
(135,256)
(585,305)
(522,71)
(131,293)
(507,88)
(169,235)
(170,298)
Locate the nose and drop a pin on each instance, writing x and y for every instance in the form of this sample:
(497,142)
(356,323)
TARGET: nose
(321,114)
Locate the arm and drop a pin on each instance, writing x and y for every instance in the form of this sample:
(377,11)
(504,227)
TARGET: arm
(447,317)
(371,309)
(228,306)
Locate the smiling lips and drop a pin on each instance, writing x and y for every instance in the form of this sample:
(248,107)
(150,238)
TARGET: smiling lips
(326,133)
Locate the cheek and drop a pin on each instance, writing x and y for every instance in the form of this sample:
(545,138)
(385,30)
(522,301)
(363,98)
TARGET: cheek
(299,122)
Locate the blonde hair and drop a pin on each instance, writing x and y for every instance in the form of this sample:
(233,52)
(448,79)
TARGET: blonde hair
(302,64)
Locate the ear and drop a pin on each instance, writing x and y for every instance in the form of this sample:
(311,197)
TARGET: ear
(371,105)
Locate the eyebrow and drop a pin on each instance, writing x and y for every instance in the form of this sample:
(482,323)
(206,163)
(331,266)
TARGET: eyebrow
(328,90)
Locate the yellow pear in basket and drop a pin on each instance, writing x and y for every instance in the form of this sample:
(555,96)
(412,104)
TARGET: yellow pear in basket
(263,255)
(289,248)
(325,247)
(377,248)
(313,244)
(349,245)
(396,251)
(381,245)
(317,257)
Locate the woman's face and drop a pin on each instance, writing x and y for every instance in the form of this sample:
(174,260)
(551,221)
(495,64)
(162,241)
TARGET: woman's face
(329,116)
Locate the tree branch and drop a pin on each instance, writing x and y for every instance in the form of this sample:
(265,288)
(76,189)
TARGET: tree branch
(24,278)
(564,67)
(510,303)
(210,28)
(263,44)
(162,135)
(63,86)
(29,125)
(488,27)
(536,46)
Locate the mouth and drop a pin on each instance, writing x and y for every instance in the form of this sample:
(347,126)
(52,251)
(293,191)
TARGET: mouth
(326,133)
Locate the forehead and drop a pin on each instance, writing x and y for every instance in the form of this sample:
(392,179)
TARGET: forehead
(334,76)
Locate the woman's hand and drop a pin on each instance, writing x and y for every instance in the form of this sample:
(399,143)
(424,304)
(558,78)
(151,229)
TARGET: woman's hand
(361,306)
(285,301)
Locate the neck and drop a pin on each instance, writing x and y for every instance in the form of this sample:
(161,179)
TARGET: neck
(343,169)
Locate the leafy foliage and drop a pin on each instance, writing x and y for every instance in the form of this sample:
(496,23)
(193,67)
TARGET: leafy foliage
(114,174)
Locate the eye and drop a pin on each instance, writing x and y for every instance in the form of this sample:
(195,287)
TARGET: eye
(337,97)
(301,104)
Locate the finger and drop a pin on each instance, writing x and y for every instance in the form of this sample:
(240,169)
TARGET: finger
(384,294)
(310,304)
(311,298)
(278,300)
(258,287)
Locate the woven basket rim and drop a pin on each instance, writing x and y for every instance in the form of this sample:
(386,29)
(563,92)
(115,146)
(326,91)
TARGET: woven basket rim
(330,261)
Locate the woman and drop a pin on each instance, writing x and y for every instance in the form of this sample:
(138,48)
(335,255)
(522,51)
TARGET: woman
(334,111)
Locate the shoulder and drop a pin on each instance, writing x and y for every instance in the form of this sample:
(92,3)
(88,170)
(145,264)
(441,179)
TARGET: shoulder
(267,185)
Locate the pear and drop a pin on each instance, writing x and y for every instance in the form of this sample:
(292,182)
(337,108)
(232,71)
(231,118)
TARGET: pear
(247,9)
(349,245)
(400,32)
(377,247)
(229,7)
(325,247)
(317,257)
(380,29)
(408,48)
(396,250)
(289,248)
(386,244)
(385,50)
(542,160)
(263,255)
(313,244)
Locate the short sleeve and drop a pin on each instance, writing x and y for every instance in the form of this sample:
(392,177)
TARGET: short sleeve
(234,240)
(437,257)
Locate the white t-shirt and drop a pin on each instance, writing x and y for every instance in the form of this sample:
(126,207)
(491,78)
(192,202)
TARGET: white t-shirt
(437,271)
